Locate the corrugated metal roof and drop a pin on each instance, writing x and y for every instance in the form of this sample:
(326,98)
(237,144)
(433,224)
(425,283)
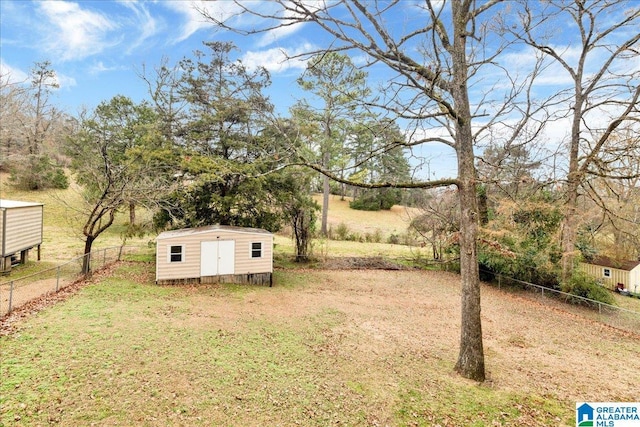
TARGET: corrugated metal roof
(4,203)
(604,261)
(208,229)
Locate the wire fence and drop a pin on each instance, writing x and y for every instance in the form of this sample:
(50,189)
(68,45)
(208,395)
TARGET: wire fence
(612,315)
(17,292)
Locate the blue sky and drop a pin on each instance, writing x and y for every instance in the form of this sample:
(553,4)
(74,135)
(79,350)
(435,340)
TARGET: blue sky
(97,47)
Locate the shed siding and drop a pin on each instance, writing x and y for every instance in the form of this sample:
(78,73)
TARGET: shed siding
(190,267)
(23,228)
(597,271)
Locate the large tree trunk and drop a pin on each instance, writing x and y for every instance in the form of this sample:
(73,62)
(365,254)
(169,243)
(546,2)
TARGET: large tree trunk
(569,226)
(471,357)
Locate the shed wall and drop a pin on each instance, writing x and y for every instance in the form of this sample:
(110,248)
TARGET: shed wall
(190,266)
(21,228)
(597,271)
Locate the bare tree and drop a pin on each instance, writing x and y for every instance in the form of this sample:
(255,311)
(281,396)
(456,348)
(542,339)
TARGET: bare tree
(613,190)
(43,114)
(163,85)
(600,48)
(437,222)
(433,64)
(13,104)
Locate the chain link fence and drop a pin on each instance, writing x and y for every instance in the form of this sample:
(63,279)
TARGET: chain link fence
(612,315)
(17,292)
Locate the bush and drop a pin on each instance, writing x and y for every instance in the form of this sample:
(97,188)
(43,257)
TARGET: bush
(585,286)
(38,173)
(377,200)
(341,232)
(394,239)
(375,237)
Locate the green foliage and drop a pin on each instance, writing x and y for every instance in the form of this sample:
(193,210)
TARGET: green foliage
(520,242)
(341,232)
(377,200)
(585,243)
(375,237)
(230,155)
(583,285)
(38,172)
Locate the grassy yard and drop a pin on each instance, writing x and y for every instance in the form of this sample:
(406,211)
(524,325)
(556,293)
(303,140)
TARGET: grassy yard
(319,348)
(357,348)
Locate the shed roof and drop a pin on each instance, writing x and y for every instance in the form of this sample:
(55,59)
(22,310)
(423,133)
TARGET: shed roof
(614,263)
(4,203)
(208,229)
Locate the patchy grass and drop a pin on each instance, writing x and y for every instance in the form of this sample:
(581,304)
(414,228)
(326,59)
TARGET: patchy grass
(352,348)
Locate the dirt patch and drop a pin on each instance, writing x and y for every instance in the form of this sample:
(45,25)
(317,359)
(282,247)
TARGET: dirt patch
(532,347)
(362,263)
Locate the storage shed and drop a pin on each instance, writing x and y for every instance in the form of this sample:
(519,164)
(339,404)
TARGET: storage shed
(21,229)
(214,254)
(612,272)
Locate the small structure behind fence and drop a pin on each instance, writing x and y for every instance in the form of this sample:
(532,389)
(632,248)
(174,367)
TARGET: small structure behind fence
(17,292)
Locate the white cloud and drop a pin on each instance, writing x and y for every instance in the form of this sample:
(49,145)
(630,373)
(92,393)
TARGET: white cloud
(277,60)
(75,33)
(193,19)
(279,33)
(65,81)
(99,67)
(144,23)
(11,75)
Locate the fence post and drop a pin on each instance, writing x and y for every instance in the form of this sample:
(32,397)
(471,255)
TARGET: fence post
(57,278)
(104,257)
(10,295)
(499,280)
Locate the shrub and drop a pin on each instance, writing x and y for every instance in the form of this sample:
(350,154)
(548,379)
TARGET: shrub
(377,200)
(355,237)
(38,173)
(375,237)
(585,286)
(341,232)
(394,239)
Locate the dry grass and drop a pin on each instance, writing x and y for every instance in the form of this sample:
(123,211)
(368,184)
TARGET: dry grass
(357,348)
(62,230)
(394,221)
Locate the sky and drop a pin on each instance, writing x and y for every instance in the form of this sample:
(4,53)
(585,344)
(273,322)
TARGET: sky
(98,49)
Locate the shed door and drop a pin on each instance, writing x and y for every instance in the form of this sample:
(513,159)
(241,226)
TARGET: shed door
(217,257)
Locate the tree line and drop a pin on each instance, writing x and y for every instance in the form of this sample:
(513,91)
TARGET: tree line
(486,79)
